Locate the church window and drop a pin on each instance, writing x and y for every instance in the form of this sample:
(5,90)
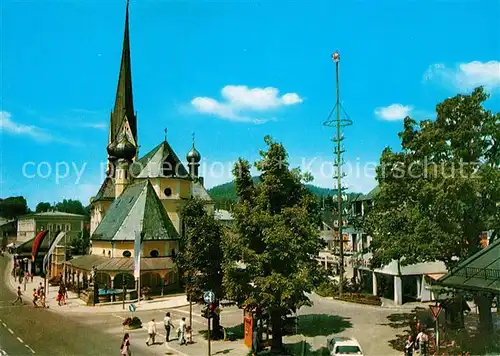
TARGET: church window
(104,252)
(109,253)
(154,253)
(168,192)
(127,253)
(173,252)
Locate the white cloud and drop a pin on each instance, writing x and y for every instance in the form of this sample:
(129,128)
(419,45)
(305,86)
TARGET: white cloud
(95,125)
(393,112)
(9,126)
(239,99)
(466,76)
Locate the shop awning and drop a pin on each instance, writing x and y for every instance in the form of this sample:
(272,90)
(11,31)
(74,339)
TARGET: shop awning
(479,272)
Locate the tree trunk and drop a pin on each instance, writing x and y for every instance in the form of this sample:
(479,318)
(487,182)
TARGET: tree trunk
(483,302)
(277,333)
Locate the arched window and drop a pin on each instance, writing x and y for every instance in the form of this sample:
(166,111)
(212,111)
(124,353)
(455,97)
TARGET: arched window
(154,253)
(127,253)
(173,252)
(104,252)
(109,253)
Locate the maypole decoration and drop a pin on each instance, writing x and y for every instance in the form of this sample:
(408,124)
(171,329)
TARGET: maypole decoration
(339,123)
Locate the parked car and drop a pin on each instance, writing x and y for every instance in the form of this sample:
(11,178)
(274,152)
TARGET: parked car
(344,346)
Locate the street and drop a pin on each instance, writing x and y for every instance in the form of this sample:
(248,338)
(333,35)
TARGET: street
(25,330)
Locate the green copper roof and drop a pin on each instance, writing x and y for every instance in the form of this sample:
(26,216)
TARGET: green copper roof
(137,210)
(481,271)
(153,164)
(107,190)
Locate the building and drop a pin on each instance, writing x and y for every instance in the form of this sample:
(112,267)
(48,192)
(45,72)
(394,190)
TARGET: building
(137,204)
(224,217)
(409,285)
(28,226)
(8,233)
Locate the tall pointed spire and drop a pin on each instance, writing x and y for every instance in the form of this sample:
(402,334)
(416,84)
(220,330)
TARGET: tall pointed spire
(124,104)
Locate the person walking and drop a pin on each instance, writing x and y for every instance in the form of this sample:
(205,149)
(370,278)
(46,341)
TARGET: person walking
(125,348)
(167,322)
(35,298)
(409,346)
(151,332)
(423,341)
(19,294)
(182,332)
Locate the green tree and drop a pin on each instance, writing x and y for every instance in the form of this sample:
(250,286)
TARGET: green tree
(12,207)
(200,257)
(43,207)
(80,244)
(270,261)
(440,192)
(72,207)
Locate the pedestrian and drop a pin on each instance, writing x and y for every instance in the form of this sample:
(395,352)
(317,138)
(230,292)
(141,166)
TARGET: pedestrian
(59,295)
(125,348)
(35,298)
(423,341)
(151,332)
(19,294)
(189,335)
(182,331)
(167,322)
(409,346)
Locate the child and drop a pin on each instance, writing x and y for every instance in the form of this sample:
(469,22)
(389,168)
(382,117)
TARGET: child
(189,335)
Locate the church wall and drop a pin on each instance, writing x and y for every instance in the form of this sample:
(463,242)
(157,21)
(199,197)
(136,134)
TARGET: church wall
(163,247)
(120,247)
(99,246)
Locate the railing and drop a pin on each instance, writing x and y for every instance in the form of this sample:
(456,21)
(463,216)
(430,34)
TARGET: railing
(484,273)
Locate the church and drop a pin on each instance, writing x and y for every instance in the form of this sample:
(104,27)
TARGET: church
(139,199)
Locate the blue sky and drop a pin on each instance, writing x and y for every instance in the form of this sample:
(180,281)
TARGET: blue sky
(231,72)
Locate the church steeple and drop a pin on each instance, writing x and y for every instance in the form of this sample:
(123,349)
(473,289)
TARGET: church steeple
(124,104)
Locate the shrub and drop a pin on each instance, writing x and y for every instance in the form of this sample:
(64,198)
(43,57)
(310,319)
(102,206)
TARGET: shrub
(326,289)
(132,322)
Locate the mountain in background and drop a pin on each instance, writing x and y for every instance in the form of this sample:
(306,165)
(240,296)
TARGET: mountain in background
(224,195)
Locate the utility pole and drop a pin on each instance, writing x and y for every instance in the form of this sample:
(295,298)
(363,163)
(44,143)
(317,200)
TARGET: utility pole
(339,123)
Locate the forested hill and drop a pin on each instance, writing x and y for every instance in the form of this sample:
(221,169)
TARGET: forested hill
(224,195)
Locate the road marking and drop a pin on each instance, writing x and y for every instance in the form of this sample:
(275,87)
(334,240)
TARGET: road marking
(196,315)
(29,348)
(10,330)
(20,340)
(119,317)
(4,324)
(2,352)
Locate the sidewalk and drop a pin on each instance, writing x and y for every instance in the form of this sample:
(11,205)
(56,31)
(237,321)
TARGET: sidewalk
(75,304)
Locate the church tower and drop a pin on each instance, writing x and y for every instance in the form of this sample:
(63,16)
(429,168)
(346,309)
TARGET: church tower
(123,117)
(124,152)
(193,158)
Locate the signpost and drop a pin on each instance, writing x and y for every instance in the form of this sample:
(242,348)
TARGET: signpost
(209,298)
(435,310)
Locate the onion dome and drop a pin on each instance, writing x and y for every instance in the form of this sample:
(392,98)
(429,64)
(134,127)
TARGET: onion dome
(125,149)
(112,150)
(193,156)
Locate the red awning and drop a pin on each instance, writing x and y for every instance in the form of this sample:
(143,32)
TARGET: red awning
(37,243)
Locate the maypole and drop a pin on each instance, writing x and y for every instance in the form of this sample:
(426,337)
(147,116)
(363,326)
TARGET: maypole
(339,123)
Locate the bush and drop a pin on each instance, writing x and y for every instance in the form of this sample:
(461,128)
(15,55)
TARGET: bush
(326,289)
(360,298)
(134,322)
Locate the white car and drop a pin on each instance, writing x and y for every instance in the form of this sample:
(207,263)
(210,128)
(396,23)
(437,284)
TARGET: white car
(344,346)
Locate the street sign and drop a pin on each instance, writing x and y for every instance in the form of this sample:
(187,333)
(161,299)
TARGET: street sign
(209,297)
(131,307)
(435,310)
